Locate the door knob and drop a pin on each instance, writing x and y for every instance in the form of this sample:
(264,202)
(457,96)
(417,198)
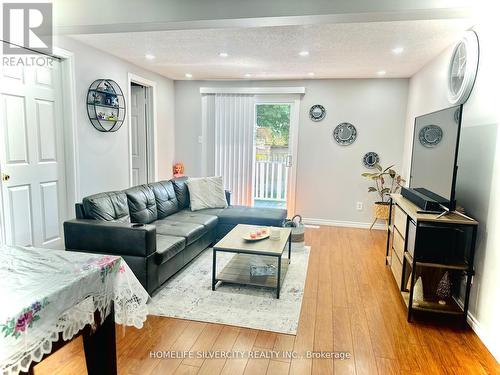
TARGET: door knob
(5,177)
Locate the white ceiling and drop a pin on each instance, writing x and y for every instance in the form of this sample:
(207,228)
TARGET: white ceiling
(342,50)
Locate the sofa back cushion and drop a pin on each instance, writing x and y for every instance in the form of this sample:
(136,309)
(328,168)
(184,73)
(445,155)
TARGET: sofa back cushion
(166,200)
(141,204)
(181,191)
(110,206)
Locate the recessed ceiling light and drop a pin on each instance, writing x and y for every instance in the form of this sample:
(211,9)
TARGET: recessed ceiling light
(310,74)
(398,50)
(188,75)
(248,75)
(223,54)
(149,56)
(304,53)
(381,72)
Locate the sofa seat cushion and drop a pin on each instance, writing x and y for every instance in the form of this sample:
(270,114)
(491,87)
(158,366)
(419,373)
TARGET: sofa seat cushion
(142,204)
(167,247)
(274,217)
(190,231)
(110,206)
(187,216)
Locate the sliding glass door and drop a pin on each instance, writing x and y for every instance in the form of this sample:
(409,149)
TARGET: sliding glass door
(273,158)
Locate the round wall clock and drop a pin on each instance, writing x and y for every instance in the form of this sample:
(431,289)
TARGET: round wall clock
(370,159)
(345,134)
(463,68)
(317,112)
(430,136)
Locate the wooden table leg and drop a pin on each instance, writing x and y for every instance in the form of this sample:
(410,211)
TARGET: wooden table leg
(214,268)
(278,279)
(100,348)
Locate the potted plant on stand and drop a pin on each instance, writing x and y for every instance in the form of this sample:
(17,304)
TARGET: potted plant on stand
(386,182)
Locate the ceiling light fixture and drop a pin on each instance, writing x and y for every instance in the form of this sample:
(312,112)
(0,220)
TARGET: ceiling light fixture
(310,74)
(248,75)
(188,75)
(223,54)
(304,53)
(149,56)
(398,50)
(381,73)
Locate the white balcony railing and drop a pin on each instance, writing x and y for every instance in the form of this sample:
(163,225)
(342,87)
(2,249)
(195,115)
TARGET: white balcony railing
(271,179)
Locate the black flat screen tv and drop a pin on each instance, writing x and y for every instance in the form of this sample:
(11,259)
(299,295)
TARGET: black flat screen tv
(434,155)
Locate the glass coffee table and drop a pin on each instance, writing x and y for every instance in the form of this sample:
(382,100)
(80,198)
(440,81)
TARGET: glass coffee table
(248,253)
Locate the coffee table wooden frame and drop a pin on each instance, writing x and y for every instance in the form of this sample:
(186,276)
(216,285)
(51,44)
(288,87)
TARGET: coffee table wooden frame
(237,271)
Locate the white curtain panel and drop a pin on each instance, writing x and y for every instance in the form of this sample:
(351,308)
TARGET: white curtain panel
(234,123)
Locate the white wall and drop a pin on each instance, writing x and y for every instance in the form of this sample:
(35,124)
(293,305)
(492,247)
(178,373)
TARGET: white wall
(329,182)
(478,176)
(103,159)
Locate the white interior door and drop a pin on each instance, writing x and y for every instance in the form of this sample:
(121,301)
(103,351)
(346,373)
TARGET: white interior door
(139,135)
(32,156)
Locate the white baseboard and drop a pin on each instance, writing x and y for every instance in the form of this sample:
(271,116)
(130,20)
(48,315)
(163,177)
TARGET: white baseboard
(485,336)
(489,340)
(339,223)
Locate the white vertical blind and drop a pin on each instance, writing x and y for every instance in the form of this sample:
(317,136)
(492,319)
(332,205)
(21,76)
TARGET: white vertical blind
(233,124)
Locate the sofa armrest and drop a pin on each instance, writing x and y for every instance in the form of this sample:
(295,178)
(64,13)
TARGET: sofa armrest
(98,236)
(228,196)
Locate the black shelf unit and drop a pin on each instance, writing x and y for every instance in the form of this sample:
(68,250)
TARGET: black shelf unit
(431,248)
(105,105)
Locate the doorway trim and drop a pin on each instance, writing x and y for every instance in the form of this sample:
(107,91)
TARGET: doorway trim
(294,101)
(151,125)
(71,150)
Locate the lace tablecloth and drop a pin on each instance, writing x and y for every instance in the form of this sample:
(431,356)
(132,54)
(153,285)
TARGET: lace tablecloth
(47,292)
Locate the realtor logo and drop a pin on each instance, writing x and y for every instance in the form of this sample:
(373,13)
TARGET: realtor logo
(27,25)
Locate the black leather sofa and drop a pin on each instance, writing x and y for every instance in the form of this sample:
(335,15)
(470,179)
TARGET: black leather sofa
(152,227)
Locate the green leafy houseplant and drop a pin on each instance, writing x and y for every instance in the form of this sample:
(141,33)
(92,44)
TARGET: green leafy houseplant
(386,181)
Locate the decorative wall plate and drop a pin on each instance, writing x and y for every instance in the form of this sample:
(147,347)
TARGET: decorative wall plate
(345,134)
(370,159)
(430,136)
(317,112)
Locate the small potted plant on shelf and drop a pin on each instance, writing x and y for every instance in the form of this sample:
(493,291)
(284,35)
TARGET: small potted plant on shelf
(386,182)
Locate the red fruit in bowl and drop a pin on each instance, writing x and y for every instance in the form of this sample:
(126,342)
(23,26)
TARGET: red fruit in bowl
(253,235)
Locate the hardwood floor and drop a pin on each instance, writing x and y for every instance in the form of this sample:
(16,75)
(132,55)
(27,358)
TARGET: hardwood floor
(351,304)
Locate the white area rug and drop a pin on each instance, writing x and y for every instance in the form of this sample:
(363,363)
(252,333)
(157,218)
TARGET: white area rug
(189,295)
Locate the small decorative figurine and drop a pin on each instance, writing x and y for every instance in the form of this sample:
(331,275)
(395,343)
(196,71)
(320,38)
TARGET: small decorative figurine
(418,292)
(96,98)
(101,116)
(114,101)
(178,170)
(107,87)
(112,117)
(444,288)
